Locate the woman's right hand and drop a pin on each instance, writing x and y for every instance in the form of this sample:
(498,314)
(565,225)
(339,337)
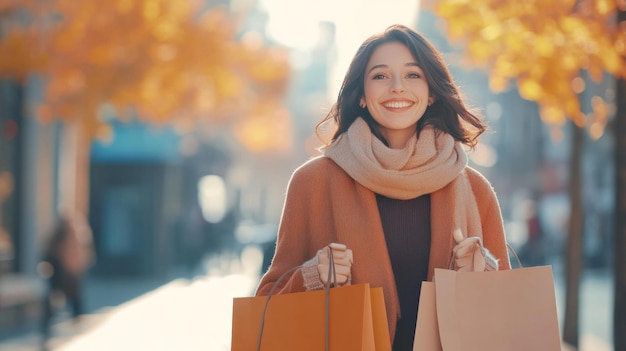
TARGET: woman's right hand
(342,256)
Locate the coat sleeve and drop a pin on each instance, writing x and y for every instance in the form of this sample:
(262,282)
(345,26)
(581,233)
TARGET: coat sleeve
(293,246)
(494,237)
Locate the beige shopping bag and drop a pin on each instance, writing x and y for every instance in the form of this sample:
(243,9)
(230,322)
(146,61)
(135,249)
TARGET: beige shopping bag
(513,310)
(427,330)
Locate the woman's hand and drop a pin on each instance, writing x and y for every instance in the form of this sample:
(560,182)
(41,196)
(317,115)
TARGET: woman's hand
(468,255)
(342,256)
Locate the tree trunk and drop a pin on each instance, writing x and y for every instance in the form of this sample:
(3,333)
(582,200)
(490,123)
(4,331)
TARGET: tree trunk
(619,235)
(573,255)
(74,164)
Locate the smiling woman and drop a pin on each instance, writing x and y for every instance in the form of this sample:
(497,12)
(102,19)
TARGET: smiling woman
(391,186)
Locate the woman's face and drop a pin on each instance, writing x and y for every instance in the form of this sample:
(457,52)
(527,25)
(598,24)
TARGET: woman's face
(396,92)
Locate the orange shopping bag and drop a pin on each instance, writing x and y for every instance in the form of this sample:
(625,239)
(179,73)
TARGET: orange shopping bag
(357,321)
(348,318)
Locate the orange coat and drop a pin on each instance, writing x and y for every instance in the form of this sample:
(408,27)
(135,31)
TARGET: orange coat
(324,204)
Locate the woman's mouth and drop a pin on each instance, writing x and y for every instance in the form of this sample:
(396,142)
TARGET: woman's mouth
(398,104)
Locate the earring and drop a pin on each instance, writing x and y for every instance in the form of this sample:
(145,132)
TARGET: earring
(362,104)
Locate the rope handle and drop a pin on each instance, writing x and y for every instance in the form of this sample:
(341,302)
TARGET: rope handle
(329,283)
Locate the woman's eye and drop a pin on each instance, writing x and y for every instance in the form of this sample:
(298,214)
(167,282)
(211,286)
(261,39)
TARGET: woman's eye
(414,75)
(378,76)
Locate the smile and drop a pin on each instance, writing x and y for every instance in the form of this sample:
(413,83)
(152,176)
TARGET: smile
(398,104)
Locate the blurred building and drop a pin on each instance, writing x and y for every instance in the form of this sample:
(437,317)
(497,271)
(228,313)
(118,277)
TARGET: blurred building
(140,190)
(134,182)
(30,153)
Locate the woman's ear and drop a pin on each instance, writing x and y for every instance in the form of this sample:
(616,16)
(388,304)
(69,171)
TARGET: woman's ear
(431,100)
(362,103)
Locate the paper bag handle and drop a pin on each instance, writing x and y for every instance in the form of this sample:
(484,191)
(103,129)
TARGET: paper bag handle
(519,263)
(331,273)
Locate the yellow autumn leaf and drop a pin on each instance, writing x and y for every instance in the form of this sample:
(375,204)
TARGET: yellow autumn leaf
(552,115)
(604,7)
(530,89)
(545,46)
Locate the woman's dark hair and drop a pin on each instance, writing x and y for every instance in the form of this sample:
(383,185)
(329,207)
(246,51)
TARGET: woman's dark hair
(448,112)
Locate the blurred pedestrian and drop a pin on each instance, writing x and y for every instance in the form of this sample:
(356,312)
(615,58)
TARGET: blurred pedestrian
(393,185)
(67,257)
(532,252)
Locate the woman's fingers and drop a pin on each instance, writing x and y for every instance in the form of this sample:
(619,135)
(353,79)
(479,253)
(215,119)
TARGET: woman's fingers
(479,262)
(338,246)
(463,249)
(458,235)
(341,272)
(342,257)
(341,251)
(463,261)
(349,256)
(468,257)
(466,247)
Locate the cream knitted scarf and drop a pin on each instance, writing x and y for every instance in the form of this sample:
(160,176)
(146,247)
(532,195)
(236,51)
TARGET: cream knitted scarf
(430,164)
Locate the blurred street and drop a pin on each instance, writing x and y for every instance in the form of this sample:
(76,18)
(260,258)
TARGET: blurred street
(188,312)
(193,311)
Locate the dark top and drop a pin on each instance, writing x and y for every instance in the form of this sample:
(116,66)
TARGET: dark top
(406,224)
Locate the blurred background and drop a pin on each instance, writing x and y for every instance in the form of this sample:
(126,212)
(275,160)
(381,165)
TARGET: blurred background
(174,126)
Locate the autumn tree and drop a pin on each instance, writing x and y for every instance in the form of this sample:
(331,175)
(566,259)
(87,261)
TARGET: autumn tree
(158,61)
(544,47)
(161,61)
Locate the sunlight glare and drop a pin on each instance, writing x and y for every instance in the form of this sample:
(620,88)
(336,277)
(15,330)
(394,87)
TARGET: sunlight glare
(212,197)
(295,24)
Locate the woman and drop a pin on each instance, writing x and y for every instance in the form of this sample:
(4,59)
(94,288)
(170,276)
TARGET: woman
(67,257)
(392,193)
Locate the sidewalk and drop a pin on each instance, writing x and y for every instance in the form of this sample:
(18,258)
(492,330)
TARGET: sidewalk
(195,314)
(596,309)
(184,314)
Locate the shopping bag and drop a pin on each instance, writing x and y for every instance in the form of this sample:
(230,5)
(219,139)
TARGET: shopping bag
(342,318)
(497,310)
(426,329)
(296,321)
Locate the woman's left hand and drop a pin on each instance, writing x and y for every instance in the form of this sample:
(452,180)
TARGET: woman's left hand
(468,256)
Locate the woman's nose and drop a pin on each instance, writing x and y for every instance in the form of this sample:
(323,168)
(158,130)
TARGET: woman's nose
(397,85)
